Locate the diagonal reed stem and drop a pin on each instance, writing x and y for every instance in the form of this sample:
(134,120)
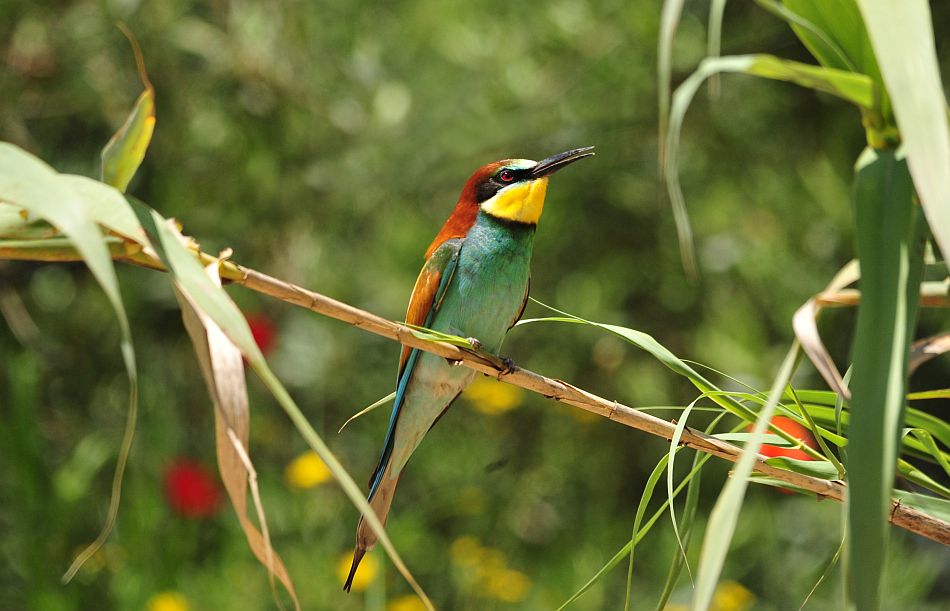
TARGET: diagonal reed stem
(900,515)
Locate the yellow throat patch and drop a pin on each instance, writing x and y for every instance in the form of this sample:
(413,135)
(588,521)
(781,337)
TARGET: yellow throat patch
(521,202)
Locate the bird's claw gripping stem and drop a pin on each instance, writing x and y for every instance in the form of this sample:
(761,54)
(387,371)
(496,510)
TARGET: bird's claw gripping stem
(505,365)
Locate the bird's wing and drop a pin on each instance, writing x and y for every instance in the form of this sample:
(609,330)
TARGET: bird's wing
(524,304)
(426,298)
(429,290)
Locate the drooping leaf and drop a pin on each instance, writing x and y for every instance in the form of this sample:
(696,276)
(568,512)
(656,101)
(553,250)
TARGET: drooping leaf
(28,183)
(368,409)
(856,88)
(661,353)
(849,86)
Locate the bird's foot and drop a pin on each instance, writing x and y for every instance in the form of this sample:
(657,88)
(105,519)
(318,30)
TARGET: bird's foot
(509,367)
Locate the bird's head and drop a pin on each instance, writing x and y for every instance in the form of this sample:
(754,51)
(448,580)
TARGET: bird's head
(514,189)
(510,189)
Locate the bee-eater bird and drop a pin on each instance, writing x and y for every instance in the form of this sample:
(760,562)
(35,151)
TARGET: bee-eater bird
(474,284)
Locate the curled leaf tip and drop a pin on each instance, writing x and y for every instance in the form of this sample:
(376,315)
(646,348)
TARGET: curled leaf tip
(137,52)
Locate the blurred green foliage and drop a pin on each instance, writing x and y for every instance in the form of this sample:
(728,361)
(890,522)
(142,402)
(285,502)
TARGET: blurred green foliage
(326,142)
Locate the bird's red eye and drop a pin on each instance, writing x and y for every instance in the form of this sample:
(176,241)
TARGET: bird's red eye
(506,175)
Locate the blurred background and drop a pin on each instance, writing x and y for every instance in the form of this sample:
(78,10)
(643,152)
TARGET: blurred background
(325,142)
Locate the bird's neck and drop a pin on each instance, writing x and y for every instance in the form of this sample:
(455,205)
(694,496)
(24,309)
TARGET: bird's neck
(521,203)
(489,226)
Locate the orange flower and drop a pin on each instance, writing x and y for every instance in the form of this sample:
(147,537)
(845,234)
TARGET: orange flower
(795,430)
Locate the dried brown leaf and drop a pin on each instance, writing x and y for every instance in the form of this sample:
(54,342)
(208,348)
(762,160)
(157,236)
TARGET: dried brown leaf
(223,369)
(927,348)
(805,324)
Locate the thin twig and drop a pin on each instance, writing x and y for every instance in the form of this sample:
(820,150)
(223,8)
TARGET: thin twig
(900,515)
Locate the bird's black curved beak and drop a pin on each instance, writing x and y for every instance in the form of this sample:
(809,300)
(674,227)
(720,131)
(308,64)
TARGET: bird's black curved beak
(555,162)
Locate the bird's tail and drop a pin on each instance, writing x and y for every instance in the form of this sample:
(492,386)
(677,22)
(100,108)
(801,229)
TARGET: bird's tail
(380,501)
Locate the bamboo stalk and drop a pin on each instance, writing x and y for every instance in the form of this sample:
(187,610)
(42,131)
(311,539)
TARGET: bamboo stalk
(900,515)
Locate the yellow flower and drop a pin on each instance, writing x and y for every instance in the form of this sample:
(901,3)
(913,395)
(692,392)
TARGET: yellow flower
(168,601)
(506,585)
(365,575)
(307,471)
(409,602)
(490,571)
(465,551)
(492,397)
(732,596)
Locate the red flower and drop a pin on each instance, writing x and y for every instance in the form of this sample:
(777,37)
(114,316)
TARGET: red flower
(191,490)
(264,331)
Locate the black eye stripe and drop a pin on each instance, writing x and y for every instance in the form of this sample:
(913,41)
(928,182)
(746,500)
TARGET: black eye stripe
(494,183)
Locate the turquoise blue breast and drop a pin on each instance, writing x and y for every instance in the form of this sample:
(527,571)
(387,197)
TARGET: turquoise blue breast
(490,281)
